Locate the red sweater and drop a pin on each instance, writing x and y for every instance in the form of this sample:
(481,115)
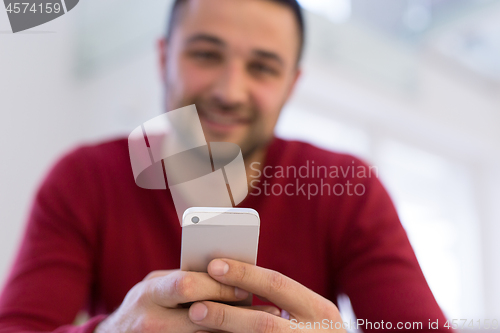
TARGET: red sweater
(93,234)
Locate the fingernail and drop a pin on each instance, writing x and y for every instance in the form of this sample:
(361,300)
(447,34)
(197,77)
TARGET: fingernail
(219,267)
(240,293)
(198,311)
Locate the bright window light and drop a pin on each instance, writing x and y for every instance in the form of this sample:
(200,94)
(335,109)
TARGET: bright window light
(435,203)
(338,11)
(299,124)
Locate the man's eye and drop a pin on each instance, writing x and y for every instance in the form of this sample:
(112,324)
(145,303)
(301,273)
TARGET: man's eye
(205,55)
(260,68)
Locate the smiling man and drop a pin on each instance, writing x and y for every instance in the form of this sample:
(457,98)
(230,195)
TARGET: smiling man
(93,235)
(237,61)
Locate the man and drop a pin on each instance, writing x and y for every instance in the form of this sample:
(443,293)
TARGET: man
(93,234)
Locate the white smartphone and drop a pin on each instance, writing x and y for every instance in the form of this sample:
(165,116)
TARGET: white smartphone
(212,232)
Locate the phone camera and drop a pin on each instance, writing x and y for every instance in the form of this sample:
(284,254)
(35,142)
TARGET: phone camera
(195,219)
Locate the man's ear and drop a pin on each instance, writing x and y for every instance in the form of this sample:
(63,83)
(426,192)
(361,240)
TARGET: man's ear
(162,45)
(298,73)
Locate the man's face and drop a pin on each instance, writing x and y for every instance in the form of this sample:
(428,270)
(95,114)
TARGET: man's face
(236,61)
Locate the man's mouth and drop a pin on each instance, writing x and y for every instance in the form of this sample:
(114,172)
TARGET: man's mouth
(221,121)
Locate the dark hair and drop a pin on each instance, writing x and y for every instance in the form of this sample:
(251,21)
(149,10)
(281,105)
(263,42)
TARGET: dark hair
(292,4)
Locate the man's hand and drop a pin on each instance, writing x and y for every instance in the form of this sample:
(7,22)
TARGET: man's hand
(153,305)
(302,304)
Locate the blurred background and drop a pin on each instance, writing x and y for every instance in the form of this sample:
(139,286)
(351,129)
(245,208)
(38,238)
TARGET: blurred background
(411,86)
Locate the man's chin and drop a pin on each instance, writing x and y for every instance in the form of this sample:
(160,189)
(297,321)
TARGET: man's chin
(217,137)
(237,140)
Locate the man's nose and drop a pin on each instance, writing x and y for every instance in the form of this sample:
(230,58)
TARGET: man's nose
(231,87)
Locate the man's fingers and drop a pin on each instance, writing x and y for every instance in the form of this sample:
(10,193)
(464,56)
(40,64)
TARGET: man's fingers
(183,287)
(155,274)
(265,308)
(263,299)
(177,320)
(228,318)
(276,287)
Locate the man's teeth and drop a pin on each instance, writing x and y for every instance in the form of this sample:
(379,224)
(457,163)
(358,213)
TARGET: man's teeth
(220,119)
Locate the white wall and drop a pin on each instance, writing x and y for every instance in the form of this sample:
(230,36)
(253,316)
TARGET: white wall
(46,109)
(38,116)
